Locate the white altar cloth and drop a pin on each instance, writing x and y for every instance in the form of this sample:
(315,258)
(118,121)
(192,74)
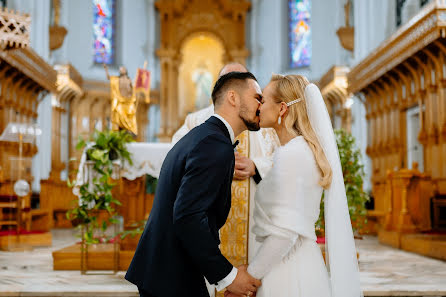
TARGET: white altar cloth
(147,158)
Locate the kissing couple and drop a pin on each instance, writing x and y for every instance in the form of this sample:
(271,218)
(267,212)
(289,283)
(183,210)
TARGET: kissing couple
(179,247)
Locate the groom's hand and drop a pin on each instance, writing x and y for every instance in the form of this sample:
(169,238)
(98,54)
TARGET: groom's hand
(244,284)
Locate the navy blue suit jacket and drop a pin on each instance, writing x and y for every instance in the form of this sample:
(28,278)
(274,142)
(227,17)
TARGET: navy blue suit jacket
(180,241)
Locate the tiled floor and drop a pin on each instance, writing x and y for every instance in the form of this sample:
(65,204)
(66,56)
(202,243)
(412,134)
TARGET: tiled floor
(390,272)
(384,272)
(32,272)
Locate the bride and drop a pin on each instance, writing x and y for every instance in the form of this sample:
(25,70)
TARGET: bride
(289,261)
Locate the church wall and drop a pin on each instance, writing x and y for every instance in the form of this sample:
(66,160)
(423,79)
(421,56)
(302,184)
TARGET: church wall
(375,21)
(269,39)
(136,40)
(42,160)
(131,37)
(40,19)
(153,42)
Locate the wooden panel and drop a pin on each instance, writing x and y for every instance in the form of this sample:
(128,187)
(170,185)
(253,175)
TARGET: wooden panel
(34,240)
(136,204)
(100,256)
(428,245)
(56,197)
(392,238)
(407,201)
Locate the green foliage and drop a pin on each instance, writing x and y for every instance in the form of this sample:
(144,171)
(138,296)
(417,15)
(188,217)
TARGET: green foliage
(353,172)
(151,184)
(96,194)
(134,229)
(109,145)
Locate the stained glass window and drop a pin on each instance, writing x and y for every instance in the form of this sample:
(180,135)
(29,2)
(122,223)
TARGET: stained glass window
(103,31)
(299,32)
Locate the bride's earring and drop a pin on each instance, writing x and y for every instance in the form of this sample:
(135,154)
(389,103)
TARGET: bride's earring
(280,120)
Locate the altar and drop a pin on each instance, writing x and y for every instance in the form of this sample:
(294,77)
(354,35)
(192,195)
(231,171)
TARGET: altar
(147,159)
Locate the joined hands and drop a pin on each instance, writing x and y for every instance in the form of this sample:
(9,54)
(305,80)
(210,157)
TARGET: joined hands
(243,285)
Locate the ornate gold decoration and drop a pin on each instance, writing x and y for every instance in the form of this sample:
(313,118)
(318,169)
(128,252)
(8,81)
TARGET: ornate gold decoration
(347,37)
(57,36)
(234,234)
(123,109)
(57,33)
(333,85)
(14,28)
(224,19)
(30,64)
(69,82)
(347,34)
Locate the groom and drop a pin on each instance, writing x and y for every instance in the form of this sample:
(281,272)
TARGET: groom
(179,246)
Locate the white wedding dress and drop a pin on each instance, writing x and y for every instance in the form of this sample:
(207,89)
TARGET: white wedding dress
(287,201)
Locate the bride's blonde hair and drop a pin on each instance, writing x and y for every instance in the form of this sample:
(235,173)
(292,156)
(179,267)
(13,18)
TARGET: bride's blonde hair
(288,88)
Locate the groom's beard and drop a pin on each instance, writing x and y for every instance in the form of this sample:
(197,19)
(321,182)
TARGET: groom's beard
(250,124)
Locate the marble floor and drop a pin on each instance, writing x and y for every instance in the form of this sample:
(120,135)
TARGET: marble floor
(384,272)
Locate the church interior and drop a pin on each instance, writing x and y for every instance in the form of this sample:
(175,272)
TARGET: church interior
(111,83)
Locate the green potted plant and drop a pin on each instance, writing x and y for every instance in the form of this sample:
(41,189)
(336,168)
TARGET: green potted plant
(353,171)
(95,210)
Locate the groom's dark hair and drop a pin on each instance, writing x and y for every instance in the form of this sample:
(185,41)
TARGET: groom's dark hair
(231,79)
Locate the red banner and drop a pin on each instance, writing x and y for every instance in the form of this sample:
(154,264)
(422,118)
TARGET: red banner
(143,83)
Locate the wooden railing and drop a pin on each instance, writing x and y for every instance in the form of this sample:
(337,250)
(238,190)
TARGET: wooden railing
(14,29)
(406,71)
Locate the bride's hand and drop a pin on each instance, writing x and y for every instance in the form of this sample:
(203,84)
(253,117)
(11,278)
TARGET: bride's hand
(244,167)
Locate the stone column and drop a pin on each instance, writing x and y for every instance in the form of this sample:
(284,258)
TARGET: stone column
(164,98)
(56,165)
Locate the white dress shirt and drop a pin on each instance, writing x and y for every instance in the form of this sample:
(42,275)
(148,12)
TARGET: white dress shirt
(231,131)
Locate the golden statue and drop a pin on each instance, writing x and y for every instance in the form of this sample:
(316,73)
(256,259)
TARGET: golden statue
(123,101)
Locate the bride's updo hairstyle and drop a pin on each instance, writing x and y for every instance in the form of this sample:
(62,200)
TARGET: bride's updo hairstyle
(286,89)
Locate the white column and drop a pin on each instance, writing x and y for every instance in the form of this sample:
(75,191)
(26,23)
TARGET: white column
(374,23)
(256,48)
(359,131)
(153,66)
(41,164)
(64,139)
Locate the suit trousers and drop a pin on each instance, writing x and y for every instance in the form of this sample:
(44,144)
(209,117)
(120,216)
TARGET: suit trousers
(143,293)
